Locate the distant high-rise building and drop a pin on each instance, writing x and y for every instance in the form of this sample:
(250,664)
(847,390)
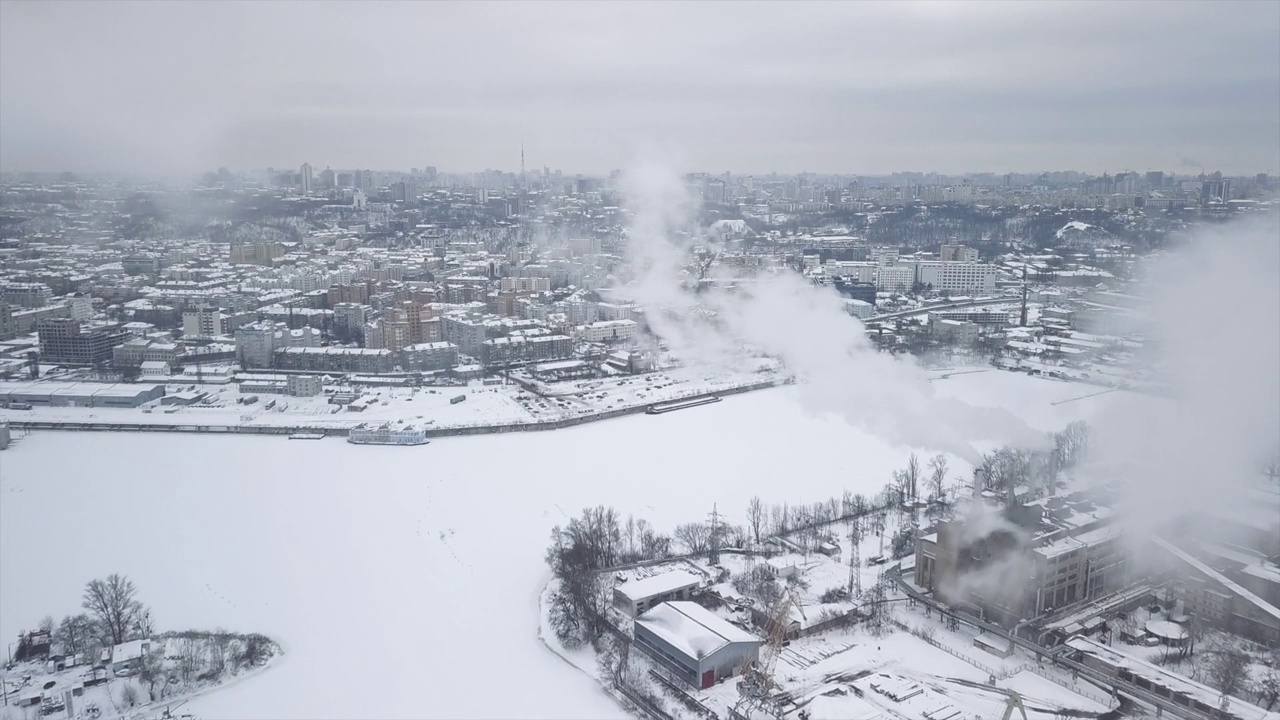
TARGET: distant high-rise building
(328,179)
(1215,190)
(1155,179)
(405,191)
(305,179)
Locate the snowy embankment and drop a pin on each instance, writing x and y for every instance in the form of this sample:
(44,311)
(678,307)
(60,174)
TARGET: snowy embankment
(486,409)
(405,584)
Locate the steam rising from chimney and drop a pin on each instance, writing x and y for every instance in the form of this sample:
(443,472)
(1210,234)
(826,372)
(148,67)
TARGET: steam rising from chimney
(780,314)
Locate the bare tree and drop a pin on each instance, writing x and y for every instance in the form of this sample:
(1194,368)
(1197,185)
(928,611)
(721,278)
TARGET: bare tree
(1269,689)
(913,476)
(151,671)
(1229,670)
(755,517)
(900,487)
(76,632)
(189,657)
(1072,443)
(695,536)
(630,529)
(114,603)
(778,516)
(143,625)
(129,695)
(937,474)
(219,643)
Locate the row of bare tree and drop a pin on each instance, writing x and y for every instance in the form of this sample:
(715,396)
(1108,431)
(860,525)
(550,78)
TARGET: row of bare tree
(1041,469)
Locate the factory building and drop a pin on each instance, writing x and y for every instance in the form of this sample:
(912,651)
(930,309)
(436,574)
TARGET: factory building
(693,643)
(80,394)
(637,596)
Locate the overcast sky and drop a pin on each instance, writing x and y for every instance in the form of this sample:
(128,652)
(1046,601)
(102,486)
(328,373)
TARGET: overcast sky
(826,87)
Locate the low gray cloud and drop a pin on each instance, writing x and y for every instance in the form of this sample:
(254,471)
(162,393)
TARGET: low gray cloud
(853,87)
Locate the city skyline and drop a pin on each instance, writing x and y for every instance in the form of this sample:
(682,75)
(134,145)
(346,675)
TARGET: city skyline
(819,88)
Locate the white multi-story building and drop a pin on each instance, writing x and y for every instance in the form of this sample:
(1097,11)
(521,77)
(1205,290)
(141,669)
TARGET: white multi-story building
(860,309)
(387,435)
(584,246)
(525,284)
(466,333)
(580,312)
(429,357)
(255,344)
(205,322)
(304,385)
(884,255)
(612,311)
(864,272)
(957,277)
(895,278)
(606,331)
(81,307)
(349,318)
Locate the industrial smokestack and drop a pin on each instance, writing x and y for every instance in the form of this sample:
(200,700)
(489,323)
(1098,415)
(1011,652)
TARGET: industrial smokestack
(979,481)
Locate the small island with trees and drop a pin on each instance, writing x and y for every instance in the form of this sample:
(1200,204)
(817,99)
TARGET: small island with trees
(110,661)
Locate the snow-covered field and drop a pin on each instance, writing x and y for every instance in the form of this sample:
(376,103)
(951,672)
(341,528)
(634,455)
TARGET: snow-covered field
(403,582)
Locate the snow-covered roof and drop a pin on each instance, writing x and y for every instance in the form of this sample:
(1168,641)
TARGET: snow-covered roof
(1157,675)
(666,582)
(692,629)
(131,650)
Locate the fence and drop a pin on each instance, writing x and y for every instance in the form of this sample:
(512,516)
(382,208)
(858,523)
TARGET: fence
(683,697)
(952,651)
(1073,687)
(644,704)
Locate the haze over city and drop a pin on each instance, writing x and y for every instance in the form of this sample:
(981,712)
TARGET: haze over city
(757,87)
(669,361)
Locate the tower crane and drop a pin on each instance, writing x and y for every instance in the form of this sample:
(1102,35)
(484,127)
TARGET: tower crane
(757,683)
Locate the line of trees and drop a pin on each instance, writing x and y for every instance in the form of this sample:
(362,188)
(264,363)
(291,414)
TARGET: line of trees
(1040,470)
(578,552)
(601,539)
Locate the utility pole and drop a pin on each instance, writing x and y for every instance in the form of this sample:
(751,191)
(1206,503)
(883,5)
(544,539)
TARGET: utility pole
(714,558)
(1024,293)
(855,562)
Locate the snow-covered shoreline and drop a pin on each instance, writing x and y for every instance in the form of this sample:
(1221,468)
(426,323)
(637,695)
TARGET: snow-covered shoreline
(404,583)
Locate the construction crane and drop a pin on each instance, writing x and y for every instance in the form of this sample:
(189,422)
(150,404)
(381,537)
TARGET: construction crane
(756,685)
(1014,701)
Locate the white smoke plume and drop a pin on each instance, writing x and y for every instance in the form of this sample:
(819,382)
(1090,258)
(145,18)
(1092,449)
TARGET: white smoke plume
(1215,306)
(1003,577)
(779,314)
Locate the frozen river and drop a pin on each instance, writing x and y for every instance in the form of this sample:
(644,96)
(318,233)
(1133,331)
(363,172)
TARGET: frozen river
(403,581)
